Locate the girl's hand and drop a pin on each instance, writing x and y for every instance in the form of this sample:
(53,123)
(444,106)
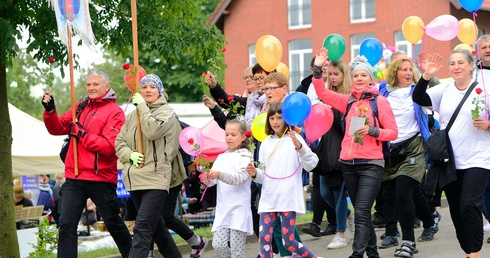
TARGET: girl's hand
(204,177)
(296,143)
(251,170)
(363,131)
(321,57)
(432,65)
(213,174)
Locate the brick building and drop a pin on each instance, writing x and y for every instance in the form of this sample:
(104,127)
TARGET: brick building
(302,25)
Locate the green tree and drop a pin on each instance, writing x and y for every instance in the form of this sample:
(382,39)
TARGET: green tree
(171,28)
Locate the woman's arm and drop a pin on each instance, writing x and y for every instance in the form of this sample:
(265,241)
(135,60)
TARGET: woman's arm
(420,95)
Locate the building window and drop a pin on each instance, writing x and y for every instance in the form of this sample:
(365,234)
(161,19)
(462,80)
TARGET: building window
(402,44)
(356,40)
(299,14)
(300,55)
(252,60)
(361,10)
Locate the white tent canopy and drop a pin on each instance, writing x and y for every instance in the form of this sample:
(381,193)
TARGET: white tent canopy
(34,150)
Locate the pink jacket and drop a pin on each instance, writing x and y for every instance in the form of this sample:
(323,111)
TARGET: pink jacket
(370,150)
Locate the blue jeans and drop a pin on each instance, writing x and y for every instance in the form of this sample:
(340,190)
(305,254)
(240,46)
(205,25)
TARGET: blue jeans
(73,199)
(363,183)
(336,198)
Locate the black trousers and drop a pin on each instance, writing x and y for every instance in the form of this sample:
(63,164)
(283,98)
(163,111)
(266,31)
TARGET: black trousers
(363,183)
(464,197)
(73,199)
(150,225)
(168,214)
(319,206)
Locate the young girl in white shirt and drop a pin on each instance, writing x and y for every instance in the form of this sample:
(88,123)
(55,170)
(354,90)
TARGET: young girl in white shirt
(282,156)
(233,220)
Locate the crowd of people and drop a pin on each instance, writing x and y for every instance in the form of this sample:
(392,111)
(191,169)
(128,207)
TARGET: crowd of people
(380,160)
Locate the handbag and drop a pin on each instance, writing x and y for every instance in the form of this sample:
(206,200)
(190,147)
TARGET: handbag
(66,141)
(438,144)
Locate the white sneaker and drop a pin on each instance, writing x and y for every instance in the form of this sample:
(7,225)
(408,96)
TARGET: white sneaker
(486,227)
(351,229)
(337,242)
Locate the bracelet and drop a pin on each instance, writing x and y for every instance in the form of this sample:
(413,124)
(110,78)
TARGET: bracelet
(300,146)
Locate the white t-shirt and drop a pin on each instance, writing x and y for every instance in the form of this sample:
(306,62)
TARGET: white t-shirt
(282,185)
(470,145)
(233,192)
(402,104)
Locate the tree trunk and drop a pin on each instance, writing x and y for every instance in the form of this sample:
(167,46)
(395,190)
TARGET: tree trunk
(8,232)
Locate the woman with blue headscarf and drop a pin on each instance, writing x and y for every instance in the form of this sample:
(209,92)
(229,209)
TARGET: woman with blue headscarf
(147,175)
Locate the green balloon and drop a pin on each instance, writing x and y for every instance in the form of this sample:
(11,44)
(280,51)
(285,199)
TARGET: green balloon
(335,44)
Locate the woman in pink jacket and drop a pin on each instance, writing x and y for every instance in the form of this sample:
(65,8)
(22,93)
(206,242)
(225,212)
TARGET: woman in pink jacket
(361,153)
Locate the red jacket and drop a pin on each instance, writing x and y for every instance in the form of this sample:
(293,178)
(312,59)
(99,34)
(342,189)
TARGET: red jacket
(102,119)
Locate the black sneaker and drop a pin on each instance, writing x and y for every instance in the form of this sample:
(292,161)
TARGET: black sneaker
(406,250)
(427,234)
(436,219)
(330,229)
(416,223)
(312,229)
(388,241)
(378,221)
(384,235)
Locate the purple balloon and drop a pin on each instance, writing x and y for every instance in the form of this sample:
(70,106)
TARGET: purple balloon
(443,28)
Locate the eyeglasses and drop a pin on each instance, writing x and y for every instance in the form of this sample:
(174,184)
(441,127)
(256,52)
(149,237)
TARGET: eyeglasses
(248,77)
(260,78)
(271,88)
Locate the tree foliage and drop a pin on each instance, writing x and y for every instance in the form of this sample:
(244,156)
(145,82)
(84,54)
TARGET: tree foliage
(172,30)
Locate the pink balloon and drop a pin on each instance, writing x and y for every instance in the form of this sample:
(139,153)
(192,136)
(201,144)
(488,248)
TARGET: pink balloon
(318,122)
(191,140)
(443,28)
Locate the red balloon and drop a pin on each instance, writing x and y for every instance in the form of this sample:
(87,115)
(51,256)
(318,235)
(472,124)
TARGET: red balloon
(129,77)
(318,122)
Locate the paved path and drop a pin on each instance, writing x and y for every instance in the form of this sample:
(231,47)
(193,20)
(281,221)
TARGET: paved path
(444,245)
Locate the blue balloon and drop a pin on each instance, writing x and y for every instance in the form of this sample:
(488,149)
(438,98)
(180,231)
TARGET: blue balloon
(471,5)
(372,49)
(296,108)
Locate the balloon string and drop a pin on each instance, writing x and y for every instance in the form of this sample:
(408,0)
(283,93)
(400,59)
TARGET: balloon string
(129,100)
(481,65)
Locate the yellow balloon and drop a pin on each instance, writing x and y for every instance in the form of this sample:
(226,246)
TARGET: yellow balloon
(412,29)
(258,127)
(282,68)
(467,32)
(465,47)
(268,51)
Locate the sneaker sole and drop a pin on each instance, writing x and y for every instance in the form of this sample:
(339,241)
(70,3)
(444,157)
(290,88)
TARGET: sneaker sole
(387,246)
(336,247)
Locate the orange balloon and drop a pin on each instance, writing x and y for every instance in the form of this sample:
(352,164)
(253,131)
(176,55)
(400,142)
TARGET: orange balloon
(282,68)
(412,29)
(467,32)
(268,51)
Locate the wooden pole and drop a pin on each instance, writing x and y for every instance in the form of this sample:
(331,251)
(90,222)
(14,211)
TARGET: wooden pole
(134,23)
(72,88)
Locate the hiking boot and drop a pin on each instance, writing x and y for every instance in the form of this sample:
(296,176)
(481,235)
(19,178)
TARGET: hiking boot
(312,229)
(436,219)
(388,241)
(330,229)
(198,250)
(378,221)
(427,234)
(406,250)
(337,242)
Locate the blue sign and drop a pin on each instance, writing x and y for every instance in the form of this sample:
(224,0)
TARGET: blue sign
(30,182)
(121,188)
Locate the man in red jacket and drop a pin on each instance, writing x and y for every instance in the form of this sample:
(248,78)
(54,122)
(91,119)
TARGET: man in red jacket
(98,122)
